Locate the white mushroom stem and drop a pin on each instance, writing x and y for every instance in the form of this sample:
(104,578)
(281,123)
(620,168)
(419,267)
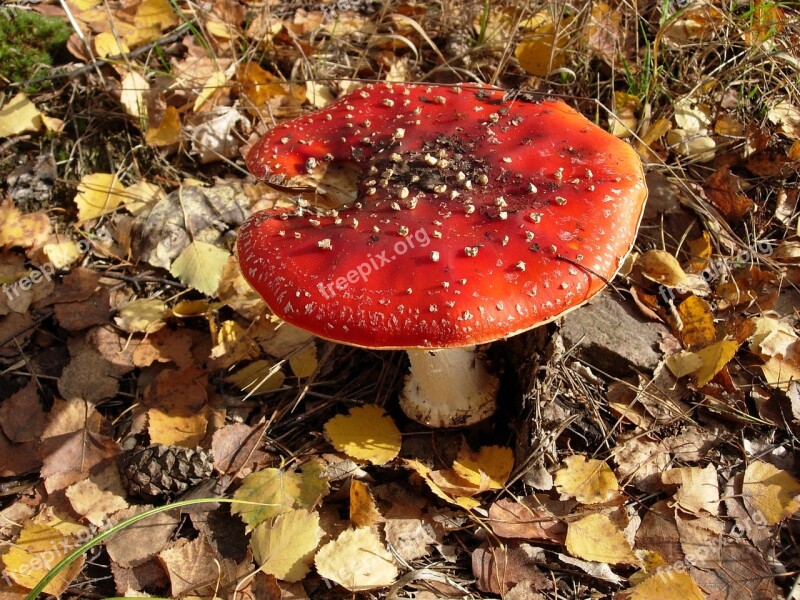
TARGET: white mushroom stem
(448,388)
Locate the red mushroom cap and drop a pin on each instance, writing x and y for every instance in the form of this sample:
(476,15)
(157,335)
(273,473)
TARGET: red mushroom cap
(477,216)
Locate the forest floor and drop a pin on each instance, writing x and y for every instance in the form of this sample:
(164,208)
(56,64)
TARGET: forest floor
(645,446)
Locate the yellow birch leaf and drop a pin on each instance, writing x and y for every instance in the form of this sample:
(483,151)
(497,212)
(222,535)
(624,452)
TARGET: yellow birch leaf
(714,359)
(98,194)
(19,115)
(284,547)
(363,510)
(210,87)
(35,552)
(107,44)
(769,493)
(132,99)
(595,537)
(700,251)
(674,586)
(588,481)
(258,377)
(313,484)
(357,561)
(780,373)
(200,266)
(62,254)
(699,490)
(175,426)
(141,196)
(265,494)
(661,267)
(168,130)
(488,468)
(367,433)
(541,50)
(144,315)
(24,230)
(155,13)
(697,322)
(304,362)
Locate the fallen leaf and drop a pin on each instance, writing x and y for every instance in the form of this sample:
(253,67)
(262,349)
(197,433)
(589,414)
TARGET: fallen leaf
(597,538)
(177,412)
(588,481)
(200,266)
(98,496)
(541,49)
(357,561)
(234,445)
(259,377)
(155,13)
(787,116)
(98,194)
(698,491)
(23,230)
(705,363)
(88,376)
(285,545)
(363,510)
(19,115)
(167,131)
(697,322)
(134,545)
(487,469)
(770,494)
(675,585)
(143,315)
(536,517)
(499,568)
(193,566)
(268,493)
(35,552)
(366,433)
(304,362)
(22,417)
(724,190)
(134,87)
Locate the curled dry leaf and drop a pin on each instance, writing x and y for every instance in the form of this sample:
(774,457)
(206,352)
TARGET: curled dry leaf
(357,561)
(698,491)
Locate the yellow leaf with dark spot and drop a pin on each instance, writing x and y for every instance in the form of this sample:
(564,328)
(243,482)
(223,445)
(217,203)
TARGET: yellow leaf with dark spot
(363,510)
(769,493)
(697,322)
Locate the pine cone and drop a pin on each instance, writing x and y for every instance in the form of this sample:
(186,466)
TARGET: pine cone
(158,471)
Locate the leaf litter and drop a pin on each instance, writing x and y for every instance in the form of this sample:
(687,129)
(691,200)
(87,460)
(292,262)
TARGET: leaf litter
(127,331)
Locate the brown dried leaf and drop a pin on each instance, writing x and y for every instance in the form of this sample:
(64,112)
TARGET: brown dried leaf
(88,377)
(498,569)
(177,409)
(193,566)
(698,491)
(234,445)
(98,496)
(535,517)
(21,416)
(724,191)
(69,458)
(136,544)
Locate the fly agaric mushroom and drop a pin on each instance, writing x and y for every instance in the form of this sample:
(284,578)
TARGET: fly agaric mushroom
(444,217)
